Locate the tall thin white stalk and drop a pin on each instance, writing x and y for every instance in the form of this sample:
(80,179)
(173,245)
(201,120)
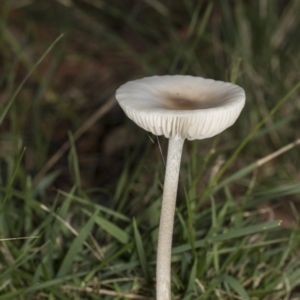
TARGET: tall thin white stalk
(163,267)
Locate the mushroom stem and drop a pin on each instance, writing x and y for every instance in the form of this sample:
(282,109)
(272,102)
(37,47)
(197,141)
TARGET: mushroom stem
(164,248)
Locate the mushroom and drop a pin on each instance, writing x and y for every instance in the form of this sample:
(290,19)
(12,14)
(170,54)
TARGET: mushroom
(178,107)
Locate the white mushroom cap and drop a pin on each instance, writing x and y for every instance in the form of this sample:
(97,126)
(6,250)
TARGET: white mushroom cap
(185,106)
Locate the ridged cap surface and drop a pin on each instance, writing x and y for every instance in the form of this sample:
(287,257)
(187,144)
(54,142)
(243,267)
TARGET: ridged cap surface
(185,106)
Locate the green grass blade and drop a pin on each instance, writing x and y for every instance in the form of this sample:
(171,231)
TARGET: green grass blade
(101,208)
(140,250)
(41,286)
(11,101)
(192,278)
(76,246)
(73,161)
(234,233)
(10,186)
(235,285)
(111,228)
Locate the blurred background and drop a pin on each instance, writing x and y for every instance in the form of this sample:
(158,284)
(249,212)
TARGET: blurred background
(61,128)
(106,44)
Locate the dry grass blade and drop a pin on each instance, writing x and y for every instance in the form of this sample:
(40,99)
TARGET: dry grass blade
(20,238)
(105,292)
(98,255)
(287,23)
(280,151)
(85,126)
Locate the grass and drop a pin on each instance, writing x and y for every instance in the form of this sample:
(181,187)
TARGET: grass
(85,226)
